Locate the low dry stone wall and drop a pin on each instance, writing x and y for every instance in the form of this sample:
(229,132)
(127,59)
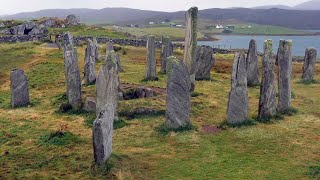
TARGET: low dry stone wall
(24,38)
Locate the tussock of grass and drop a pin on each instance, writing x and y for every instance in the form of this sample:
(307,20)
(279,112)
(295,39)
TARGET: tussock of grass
(308,82)
(315,171)
(59,138)
(196,94)
(116,124)
(136,113)
(163,129)
(246,123)
(290,112)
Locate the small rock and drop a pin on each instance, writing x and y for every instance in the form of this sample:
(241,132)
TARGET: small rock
(90,104)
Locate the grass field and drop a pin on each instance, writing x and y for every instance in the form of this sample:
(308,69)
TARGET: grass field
(285,148)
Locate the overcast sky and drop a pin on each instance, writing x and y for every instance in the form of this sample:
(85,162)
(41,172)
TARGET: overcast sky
(16,6)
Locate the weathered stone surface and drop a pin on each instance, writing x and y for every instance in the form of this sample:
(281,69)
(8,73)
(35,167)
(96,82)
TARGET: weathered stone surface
(252,64)
(90,104)
(166,51)
(95,42)
(178,94)
(151,66)
(238,97)
(90,63)
(109,47)
(107,84)
(267,100)
(2,25)
(191,43)
(102,132)
(72,72)
(310,60)
(72,20)
(284,75)
(204,62)
(19,88)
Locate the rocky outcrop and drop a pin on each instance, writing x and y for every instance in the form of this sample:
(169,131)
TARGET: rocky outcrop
(267,100)
(238,97)
(27,28)
(19,88)
(178,94)
(72,20)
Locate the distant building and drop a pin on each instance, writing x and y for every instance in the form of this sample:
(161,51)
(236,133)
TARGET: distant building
(151,23)
(218,26)
(230,27)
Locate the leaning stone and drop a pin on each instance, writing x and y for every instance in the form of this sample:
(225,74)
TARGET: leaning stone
(151,66)
(102,132)
(178,94)
(204,62)
(191,43)
(19,88)
(90,63)
(252,64)
(238,97)
(267,100)
(310,60)
(107,84)
(166,51)
(90,104)
(72,72)
(284,75)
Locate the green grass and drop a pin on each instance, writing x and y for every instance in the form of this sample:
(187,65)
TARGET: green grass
(30,148)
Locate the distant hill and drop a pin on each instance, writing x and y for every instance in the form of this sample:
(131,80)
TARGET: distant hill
(298,19)
(310,5)
(272,6)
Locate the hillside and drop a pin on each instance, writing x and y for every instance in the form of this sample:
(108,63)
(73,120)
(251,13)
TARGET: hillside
(310,5)
(297,19)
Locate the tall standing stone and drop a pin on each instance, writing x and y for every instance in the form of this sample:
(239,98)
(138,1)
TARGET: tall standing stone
(107,85)
(109,47)
(19,88)
(72,72)
(151,66)
(252,64)
(95,42)
(166,51)
(204,62)
(267,100)
(90,63)
(238,97)
(190,44)
(102,132)
(284,77)
(178,94)
(310,60)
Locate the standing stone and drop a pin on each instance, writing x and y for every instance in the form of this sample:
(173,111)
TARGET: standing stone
(190,43)
(238,97)
(166,51)
(102,132)
(284,77)
(107,84)
(178,94)
(19,88)
(267,100)
(151,67)
(109,47)
(97,48)
(310,59)
(72,72)
(90,63)
(252,64)
(204,62)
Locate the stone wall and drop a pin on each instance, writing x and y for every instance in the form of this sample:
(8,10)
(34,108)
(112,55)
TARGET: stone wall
(24,38)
